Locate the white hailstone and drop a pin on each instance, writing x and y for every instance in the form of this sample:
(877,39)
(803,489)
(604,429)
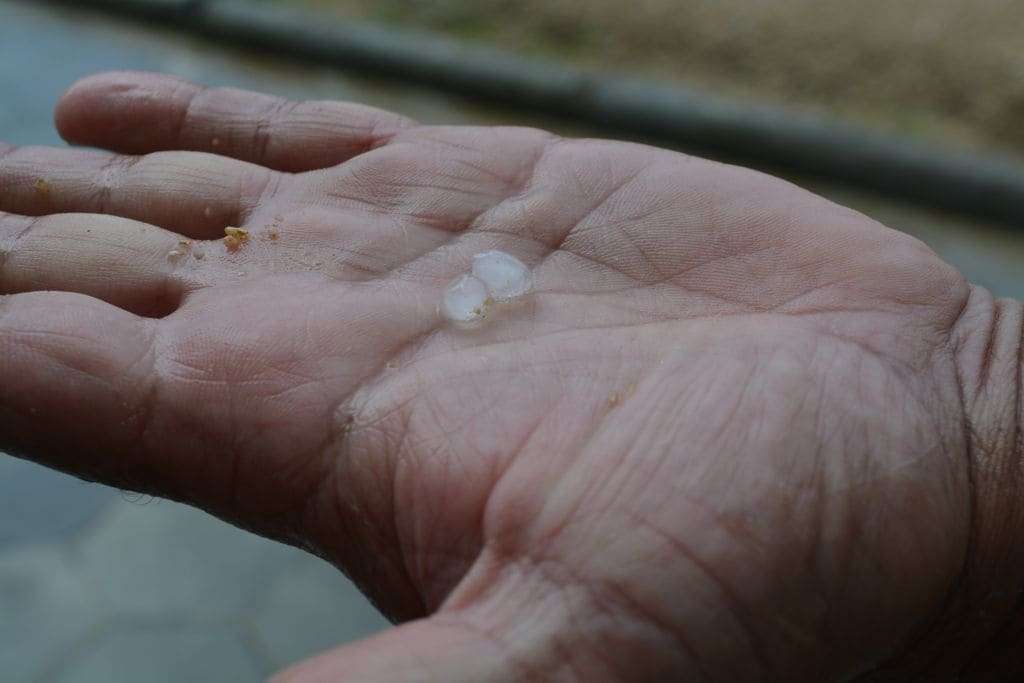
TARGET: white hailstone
(506,276)
(464,302)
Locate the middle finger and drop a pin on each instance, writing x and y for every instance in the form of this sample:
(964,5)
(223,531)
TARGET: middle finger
(192,193)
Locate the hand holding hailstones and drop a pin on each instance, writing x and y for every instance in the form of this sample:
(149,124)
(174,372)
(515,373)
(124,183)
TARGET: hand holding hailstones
(496,277)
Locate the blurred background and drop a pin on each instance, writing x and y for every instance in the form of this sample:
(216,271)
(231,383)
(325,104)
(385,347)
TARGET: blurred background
(101,585)
(950,70)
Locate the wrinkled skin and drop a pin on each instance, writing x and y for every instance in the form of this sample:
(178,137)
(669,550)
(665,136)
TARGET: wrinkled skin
(737,433)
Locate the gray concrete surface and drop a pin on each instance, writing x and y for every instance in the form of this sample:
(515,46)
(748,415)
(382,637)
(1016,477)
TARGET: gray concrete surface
(99,586)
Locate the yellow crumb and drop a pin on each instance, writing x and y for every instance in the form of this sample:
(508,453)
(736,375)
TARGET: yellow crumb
(238,233)
(41,186)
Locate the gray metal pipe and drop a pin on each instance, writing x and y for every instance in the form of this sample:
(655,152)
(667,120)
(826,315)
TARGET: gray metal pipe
(982,186)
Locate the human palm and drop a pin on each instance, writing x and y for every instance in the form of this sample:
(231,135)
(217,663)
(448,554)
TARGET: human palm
(725,437)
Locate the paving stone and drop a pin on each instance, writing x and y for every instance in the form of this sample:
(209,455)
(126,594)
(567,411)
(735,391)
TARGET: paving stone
(163,559)
(311,607)
(41,505)
(45,608)
(131,653)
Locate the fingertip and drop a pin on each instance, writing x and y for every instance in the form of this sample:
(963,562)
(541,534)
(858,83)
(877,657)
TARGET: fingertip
(79,110)
(106,109)
(67,115)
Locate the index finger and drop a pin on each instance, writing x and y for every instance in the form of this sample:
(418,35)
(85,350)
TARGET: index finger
(138,113)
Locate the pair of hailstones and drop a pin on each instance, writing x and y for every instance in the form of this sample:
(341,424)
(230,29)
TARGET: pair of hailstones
(496,277)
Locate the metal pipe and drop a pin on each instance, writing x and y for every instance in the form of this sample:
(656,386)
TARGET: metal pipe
(983,186)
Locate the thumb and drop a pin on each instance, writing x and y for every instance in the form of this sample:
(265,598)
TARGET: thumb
(439,648)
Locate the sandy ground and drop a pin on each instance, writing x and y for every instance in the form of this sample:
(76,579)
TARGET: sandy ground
(948,70)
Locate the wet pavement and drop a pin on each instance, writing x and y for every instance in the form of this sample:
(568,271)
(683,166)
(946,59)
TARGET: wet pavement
(96,585)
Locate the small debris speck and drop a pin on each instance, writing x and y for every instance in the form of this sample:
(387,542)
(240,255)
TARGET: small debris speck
(234,237)
(42,187)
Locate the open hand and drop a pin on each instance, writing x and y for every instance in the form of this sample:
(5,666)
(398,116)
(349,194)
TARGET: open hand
(737,433)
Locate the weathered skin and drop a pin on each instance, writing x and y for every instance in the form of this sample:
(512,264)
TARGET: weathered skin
(737,433)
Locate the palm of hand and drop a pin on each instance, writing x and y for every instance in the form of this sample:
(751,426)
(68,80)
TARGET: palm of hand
(719,407)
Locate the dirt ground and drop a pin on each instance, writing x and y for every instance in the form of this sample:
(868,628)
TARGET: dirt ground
(948,70)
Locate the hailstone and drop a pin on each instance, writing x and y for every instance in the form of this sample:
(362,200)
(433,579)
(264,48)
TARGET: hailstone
(505,276)
(465,300)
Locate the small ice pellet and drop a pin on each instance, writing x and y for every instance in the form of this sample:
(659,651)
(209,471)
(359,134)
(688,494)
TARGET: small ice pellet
(464,302)
(505,276)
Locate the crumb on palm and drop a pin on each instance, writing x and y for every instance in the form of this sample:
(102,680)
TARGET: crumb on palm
(234,237)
